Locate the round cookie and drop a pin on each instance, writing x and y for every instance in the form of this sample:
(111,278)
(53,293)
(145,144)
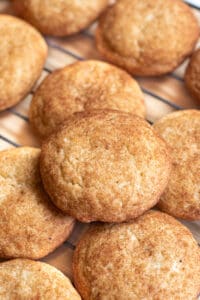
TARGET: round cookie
(23,279)
(31,227)
(192,75)
(22,54)
(181,130)
(105,166)
(153,257)
(83,86)
(147,38)
(59,17)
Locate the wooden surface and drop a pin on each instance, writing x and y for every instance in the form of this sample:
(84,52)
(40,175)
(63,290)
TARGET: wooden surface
(162,95)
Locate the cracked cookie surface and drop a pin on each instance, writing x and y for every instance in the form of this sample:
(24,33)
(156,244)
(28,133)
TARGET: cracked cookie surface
(59,17)
(83,86)
(192,75)
(152,257)
(31,226)
(22,54)
(23,279)
(181,131)
(147,37)
(105,165)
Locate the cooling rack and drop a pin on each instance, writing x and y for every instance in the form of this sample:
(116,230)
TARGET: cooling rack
(162,96)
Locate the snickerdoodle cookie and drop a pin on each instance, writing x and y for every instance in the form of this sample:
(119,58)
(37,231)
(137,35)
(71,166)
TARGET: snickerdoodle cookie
(59,17)
(181,130)
(22,55)
(192,75)
(107,166)
(31,226)
(83,86)
(153,257)
(147,37)
(23,279)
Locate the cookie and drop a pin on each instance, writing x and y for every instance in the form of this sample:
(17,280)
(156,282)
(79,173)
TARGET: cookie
(105,166)
(181,130)
(83,86)
(147,38)
(59,17)
(31,227)
(153,257)
(22,54)
(28,280)
(192,75)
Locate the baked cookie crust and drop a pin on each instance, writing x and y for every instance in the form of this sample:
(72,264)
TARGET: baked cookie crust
(31,226)
(23,52)
(147,38)
(181,131)
(83,86)
(59,17)
(192,75)
(152,257)
(105,166)
(26,279)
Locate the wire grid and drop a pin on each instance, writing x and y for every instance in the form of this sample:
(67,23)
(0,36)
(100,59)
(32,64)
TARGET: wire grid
(160,99)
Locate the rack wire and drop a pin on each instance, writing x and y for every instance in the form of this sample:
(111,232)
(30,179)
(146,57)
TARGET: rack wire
(162,95)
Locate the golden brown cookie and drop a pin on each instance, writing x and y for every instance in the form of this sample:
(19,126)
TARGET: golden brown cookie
(31,226)
(147,37)
(83,86)
(181,130)
(22,55)
(154,257)
(192,75)
(59,17)
(23,279)
(107,166)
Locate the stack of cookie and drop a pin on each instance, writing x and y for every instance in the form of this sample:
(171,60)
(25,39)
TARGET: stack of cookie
(100,160)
